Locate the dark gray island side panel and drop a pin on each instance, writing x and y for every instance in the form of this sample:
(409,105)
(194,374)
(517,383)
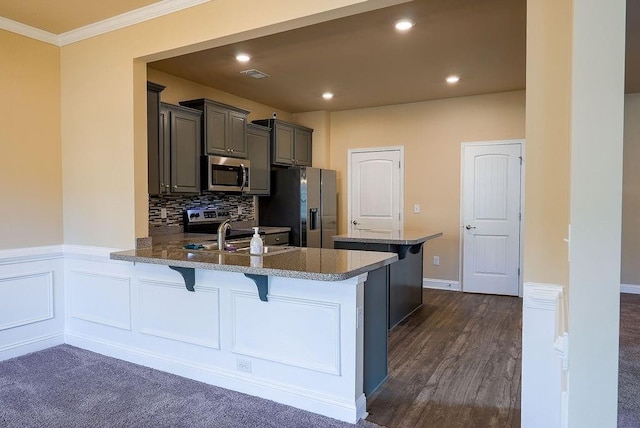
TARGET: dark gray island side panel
(405,276)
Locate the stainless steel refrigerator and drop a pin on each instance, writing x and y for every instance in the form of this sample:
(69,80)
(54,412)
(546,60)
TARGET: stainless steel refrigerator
(305,200)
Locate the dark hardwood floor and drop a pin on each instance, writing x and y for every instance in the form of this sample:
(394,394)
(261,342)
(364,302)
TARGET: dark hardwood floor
(456,362)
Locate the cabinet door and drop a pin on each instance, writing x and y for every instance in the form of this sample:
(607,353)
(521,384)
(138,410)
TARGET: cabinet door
(164,153)
(302,147)
(283,144)
(259,155)
(153,141)
(216,123)
(237,137)
(185,152)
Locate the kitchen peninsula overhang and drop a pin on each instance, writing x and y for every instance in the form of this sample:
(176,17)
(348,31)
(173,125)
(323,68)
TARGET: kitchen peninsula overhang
(318,264)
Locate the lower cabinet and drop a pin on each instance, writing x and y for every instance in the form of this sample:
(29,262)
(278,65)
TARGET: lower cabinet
(259,154)
(277,238)
(180,145)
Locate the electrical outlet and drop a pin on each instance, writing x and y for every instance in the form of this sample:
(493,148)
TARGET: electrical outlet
(163,213)
(436,260)
(243,365)
(416,208)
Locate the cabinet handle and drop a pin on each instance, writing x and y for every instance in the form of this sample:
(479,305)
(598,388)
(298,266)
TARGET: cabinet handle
(175,186)
(230,150)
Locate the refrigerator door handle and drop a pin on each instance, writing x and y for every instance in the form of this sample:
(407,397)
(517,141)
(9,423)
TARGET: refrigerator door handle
(313,218)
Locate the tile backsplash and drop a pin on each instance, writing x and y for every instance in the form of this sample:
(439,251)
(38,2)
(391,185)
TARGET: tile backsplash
(177,204)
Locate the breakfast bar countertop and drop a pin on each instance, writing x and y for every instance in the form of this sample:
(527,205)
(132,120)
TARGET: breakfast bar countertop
(321,264)
(397,237)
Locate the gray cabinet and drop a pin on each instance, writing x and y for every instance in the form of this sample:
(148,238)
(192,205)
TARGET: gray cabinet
(258,152)
(180,136)
(224,127)
(155,150)
(291,144)
(281,238)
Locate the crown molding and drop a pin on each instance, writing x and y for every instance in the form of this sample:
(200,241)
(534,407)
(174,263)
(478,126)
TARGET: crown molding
(133,17)
(161,8)
(28,31)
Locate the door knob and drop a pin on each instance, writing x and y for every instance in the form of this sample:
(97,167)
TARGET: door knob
(355,223)
(469,227)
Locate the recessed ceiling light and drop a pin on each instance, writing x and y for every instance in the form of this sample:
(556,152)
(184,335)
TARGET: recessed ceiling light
(453,79)
(404,24)
(327,95)
(243,57)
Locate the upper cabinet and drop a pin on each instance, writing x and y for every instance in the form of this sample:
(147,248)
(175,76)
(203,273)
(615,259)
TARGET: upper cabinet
(290,143)
(224,127)
(177,159)
(155,149)
(258,141)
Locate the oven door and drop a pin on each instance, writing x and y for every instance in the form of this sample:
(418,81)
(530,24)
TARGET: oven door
(227,174)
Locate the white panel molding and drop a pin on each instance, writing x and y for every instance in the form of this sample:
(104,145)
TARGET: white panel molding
(441,284)
(32,344)
(545,350)
(330,367)
(83,252)
(75,312)
(213,344)
(133,17)
(30,254)
(48,289)
(302,398)
(542,296)
(630,288)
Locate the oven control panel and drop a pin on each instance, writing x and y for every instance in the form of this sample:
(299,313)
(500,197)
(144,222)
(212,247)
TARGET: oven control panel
(196,216)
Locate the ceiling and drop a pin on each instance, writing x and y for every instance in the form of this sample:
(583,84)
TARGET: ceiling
(362,59)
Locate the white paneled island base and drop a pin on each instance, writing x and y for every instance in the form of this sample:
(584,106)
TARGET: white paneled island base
(303,347)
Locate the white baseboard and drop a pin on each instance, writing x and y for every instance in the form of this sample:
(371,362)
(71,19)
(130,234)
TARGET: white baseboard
(441,284)
(282,393)
(31,345)
(630,288)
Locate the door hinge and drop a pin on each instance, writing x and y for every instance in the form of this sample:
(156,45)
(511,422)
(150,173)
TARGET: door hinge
(520,157)
(399,217)
(518,271)
(520,216)
(399,165)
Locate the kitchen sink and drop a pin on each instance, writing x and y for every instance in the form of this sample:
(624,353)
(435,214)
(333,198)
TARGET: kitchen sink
(241,248)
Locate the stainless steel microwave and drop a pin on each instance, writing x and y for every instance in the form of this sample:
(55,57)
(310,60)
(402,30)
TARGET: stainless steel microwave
(226,174)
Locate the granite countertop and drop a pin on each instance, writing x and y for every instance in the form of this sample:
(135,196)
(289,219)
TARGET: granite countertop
(320,264)
(397,237)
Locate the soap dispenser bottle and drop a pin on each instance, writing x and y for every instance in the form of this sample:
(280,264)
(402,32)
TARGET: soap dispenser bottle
(255,246)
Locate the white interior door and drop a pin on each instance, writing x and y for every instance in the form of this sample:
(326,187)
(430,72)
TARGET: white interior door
(491,218)
(375,189)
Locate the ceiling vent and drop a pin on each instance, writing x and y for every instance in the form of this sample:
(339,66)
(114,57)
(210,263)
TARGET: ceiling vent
(256,74)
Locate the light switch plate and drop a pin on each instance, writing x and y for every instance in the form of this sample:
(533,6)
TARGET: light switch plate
(416,208)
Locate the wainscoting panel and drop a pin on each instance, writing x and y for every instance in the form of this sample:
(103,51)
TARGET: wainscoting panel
(26,299)
(544,356)
(307,332)
(168,310)
(31,300)
(100,298)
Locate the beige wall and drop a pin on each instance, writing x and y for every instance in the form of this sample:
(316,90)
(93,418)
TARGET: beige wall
(178,89)
(103,98)
(630,273)
(431,133)
(31,162)
(548,141)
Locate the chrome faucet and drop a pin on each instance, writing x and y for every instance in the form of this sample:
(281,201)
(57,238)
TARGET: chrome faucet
(222,234)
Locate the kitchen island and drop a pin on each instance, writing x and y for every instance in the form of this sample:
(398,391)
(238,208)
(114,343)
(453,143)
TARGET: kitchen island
(405,276)
(287,326)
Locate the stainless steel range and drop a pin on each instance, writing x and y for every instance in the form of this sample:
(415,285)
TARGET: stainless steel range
(208,220)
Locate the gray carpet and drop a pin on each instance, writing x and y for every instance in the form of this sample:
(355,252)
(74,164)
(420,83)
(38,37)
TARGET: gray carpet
(629,369)
(69,387)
